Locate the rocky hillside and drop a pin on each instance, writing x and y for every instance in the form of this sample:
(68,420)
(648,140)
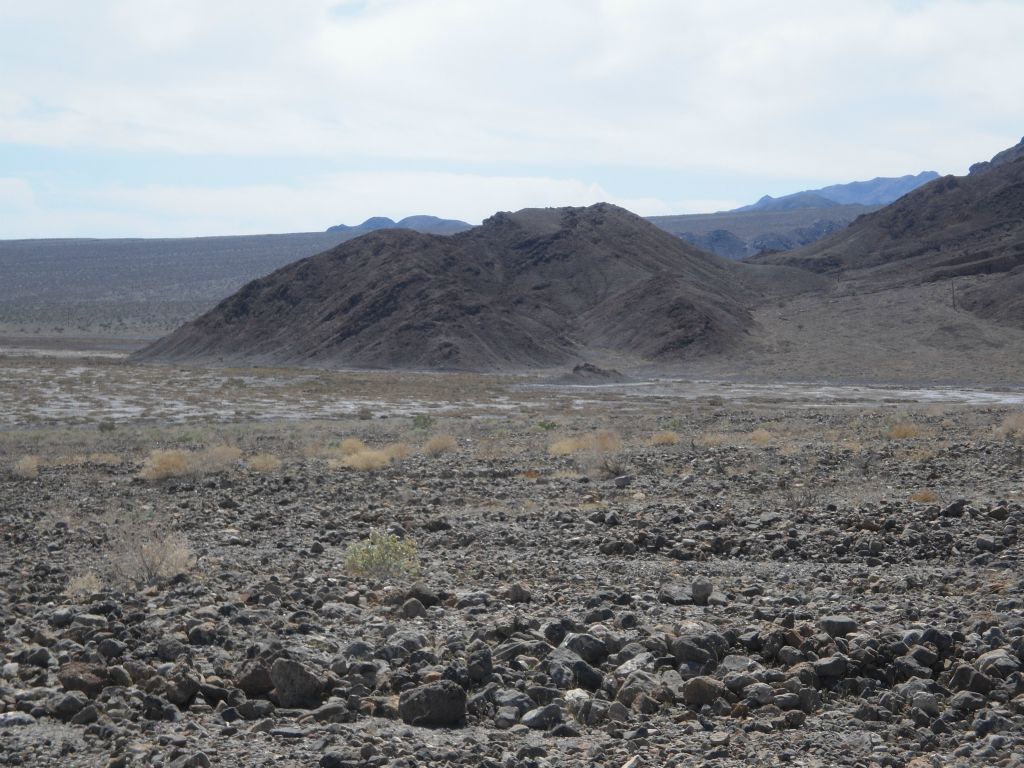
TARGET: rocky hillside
(739,234)
(969,229)
(536,288)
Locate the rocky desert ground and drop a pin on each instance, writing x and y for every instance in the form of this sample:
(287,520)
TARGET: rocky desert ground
(299,568)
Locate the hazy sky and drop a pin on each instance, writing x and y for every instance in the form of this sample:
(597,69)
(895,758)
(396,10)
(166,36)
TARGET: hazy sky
(195,117)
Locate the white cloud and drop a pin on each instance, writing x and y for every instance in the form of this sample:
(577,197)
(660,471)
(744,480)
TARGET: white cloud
(839,90)
(802,90)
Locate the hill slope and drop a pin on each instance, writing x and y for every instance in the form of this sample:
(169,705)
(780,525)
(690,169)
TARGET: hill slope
(968,228)
(739,234)
(536,288)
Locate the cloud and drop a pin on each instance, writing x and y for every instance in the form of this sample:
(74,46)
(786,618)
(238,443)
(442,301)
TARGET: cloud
(509,103)
(827,89)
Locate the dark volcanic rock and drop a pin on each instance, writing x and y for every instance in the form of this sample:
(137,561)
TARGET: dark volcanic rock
(435,704)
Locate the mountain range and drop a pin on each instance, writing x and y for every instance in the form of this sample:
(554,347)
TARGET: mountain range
(791,221)
(428,224)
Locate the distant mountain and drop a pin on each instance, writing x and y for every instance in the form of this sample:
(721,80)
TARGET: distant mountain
(969,227)
(739,234)
(431,225)
(537,288)
(788,222)
(878,191)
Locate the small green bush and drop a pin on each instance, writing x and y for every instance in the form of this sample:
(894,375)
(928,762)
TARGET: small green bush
(382,556)
(422,421)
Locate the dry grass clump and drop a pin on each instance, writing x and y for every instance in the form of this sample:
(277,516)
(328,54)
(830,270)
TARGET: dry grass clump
(1012,427)
(218,458)
(163,464)
(104,459)
(397,451)
(83,586)
(760,437)
(903,430)
(148,556)
(368,460)
(440,444)
(27,467)
(711,439)
(264,463)
(604,441)
(351,445)
(667,437)
(924,496)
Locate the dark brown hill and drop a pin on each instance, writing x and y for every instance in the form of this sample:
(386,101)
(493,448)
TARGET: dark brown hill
(964,228)
(536,288)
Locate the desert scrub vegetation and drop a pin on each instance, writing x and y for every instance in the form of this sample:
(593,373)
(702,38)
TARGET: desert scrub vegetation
(603,441)
(667,437)
(1012,427)
(27,467)
(366,460)
(83,585)
(218,458)
(160,465)
(145,555)
(397,451)
(439,445)
(382,556)
(903,430)
(351,445)
(760,437)
(264,463)
(924,496)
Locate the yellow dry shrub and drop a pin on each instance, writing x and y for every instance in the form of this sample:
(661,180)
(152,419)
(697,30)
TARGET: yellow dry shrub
(163,464)
(368,460)
(351,445)
(1012,427)
(27,467)
(397,451)
(604,441)
(104,459)
(83,586)
(760,437)
(903,430)
(217,458)
(264,463)
(667,437)
(440,444)
(711,439)
(925,496)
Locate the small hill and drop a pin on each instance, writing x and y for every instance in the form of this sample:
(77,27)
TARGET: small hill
(537,288)
(427,224)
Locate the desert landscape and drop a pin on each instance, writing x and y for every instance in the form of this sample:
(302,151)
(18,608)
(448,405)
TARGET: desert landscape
(606,500)
(598,466)
(288,567)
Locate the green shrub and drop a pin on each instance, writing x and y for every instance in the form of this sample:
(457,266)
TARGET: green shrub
(382,556)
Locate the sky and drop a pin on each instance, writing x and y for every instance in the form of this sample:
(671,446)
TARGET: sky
(176,118)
